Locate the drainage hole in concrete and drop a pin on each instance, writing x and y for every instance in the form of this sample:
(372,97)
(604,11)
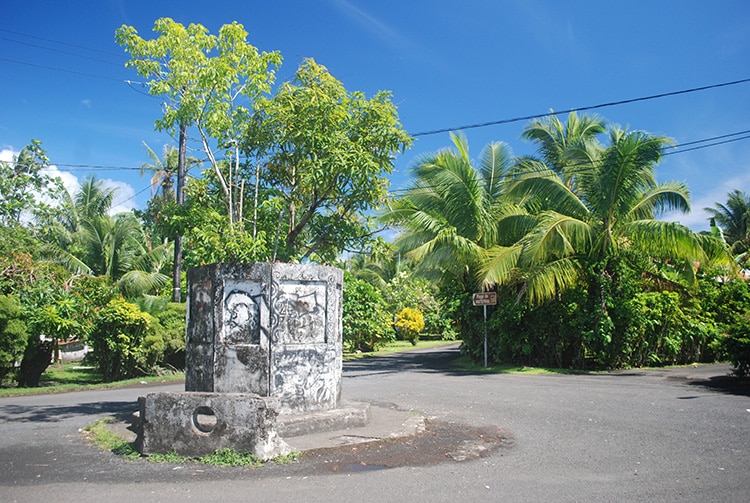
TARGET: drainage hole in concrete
(204,419)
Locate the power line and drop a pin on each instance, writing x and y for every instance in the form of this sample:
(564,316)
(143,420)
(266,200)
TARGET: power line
(581,109)
(678,149)
(45,67)
(93,49)
(61,52)
(680,145)
(706,143)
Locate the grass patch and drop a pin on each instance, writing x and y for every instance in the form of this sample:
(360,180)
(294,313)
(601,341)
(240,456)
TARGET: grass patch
(107,440)
(466,364)
(230,457)
(399,347)
(71,373)
(99,434)
(75,377)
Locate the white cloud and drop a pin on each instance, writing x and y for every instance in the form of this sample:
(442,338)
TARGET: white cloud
(87,103)
(69,180)
(7,154)
(124,200)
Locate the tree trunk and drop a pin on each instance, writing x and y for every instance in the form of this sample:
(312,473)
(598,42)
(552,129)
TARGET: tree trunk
(36,359)
(180,193)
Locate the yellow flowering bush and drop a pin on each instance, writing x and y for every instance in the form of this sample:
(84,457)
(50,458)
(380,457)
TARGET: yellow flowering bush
(409,323)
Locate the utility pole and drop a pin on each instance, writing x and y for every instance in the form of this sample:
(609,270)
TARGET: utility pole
(181,160)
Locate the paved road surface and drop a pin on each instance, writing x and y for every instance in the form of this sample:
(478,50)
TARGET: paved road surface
(655,435)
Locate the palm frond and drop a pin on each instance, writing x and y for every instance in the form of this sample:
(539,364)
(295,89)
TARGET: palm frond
(669,196)
(499,265)
(665,240)
(136,283)
(555,236)
(546,282)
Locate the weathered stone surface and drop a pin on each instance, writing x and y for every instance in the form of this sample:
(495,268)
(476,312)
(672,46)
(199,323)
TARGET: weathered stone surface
(197,424)
(269,329)
(349,415)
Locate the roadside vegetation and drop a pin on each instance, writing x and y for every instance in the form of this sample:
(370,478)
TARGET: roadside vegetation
(102,436)
(570,238)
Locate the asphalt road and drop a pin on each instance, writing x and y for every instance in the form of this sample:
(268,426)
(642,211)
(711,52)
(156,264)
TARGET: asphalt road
(653,435)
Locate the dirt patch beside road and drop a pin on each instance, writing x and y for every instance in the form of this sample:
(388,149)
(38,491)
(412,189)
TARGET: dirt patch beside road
(440,442)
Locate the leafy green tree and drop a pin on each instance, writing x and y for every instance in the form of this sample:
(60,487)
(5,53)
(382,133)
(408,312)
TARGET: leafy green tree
(170,330)
(736,343)
(733,218)
(611,207)
(211,82)
(555,139)
(87,240)
(40,288)
(210,235)
(116,247)
(163,199)
(401,287)
(330,152)
(590,220)
(26,189)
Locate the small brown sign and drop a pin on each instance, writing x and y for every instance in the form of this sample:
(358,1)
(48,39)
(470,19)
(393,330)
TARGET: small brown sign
(485,299)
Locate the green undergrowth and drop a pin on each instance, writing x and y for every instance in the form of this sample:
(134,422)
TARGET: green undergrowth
(107,440)
(104,438)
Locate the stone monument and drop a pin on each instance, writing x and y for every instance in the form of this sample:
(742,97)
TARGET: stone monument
(269,329)
(262,340)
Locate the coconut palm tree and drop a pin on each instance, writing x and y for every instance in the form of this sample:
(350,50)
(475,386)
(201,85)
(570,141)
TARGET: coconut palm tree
(553,139)
(92,200)
(164,169)
(449,215)
(734,220)
(580,228)
(87,240)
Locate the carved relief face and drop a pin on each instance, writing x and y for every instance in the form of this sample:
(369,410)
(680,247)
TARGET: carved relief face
(241,318)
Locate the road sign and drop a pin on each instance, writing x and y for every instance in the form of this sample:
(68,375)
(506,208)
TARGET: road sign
(485,299)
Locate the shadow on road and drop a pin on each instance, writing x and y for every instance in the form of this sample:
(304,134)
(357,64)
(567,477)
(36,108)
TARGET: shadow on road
(441,360)
(437,360)
(724,384)
(43,414)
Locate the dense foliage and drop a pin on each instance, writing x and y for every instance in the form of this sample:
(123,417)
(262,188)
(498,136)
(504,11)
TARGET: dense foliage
(123,340)
(586,275)
(366,324)
(13,334)
(292,174)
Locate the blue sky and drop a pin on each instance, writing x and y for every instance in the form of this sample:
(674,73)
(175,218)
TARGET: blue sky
(447,63)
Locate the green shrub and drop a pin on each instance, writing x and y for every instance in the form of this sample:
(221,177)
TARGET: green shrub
(366,322)
(409,323)
(13,334)
(117,340)
(171,329)
(736,344)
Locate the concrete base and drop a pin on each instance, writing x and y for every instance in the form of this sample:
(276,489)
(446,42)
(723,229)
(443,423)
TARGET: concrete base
(198,424)
(382,423)
(349,415)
